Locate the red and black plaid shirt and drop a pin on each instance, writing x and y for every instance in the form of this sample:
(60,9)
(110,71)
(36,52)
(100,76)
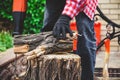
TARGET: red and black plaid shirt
(73,7)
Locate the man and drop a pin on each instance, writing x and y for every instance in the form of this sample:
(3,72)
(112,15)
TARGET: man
(19,12)
(58,13)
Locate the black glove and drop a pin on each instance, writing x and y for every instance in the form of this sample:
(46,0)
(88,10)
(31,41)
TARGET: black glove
(62,27)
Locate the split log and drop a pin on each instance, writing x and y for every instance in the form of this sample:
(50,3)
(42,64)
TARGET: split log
(34,40)
(21,49)
(43,43)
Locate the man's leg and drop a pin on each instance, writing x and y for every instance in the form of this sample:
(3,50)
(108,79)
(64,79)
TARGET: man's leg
(23,15)
(53,10)
(18,18)
(86,47)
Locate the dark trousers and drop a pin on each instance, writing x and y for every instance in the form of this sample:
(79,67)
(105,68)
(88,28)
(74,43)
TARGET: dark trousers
(18,18)
(86,47)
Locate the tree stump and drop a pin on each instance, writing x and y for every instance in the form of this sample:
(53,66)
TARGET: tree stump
(63,66)
(47,58)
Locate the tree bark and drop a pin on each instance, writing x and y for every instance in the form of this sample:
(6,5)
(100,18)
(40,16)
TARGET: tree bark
(42,43)
(61,66)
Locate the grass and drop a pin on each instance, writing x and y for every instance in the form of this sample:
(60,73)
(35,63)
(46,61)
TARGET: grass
(6,41)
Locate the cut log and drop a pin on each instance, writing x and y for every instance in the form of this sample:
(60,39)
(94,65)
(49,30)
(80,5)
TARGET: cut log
(43,43)
(41,39)
(34,40)
(62,66)
(21,48)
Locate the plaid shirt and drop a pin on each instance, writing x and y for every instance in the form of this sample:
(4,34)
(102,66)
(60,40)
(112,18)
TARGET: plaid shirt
(73,7)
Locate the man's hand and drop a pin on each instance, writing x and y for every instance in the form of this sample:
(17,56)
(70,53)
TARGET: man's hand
(62,27)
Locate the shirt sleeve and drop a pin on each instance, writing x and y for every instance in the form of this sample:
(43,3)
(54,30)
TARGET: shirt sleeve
(73,7)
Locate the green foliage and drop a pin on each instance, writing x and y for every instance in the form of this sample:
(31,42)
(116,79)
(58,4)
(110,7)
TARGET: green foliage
(6,41)
(34,14)
(6,9)
(34,17)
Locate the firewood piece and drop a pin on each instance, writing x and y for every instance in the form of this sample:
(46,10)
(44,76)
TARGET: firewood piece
(35,40)
(64,66)
(60,46)
(20,49)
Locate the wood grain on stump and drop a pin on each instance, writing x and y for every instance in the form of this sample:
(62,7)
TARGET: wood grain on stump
(60,67)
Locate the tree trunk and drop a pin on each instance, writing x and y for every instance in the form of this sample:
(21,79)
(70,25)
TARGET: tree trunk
(61,66)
